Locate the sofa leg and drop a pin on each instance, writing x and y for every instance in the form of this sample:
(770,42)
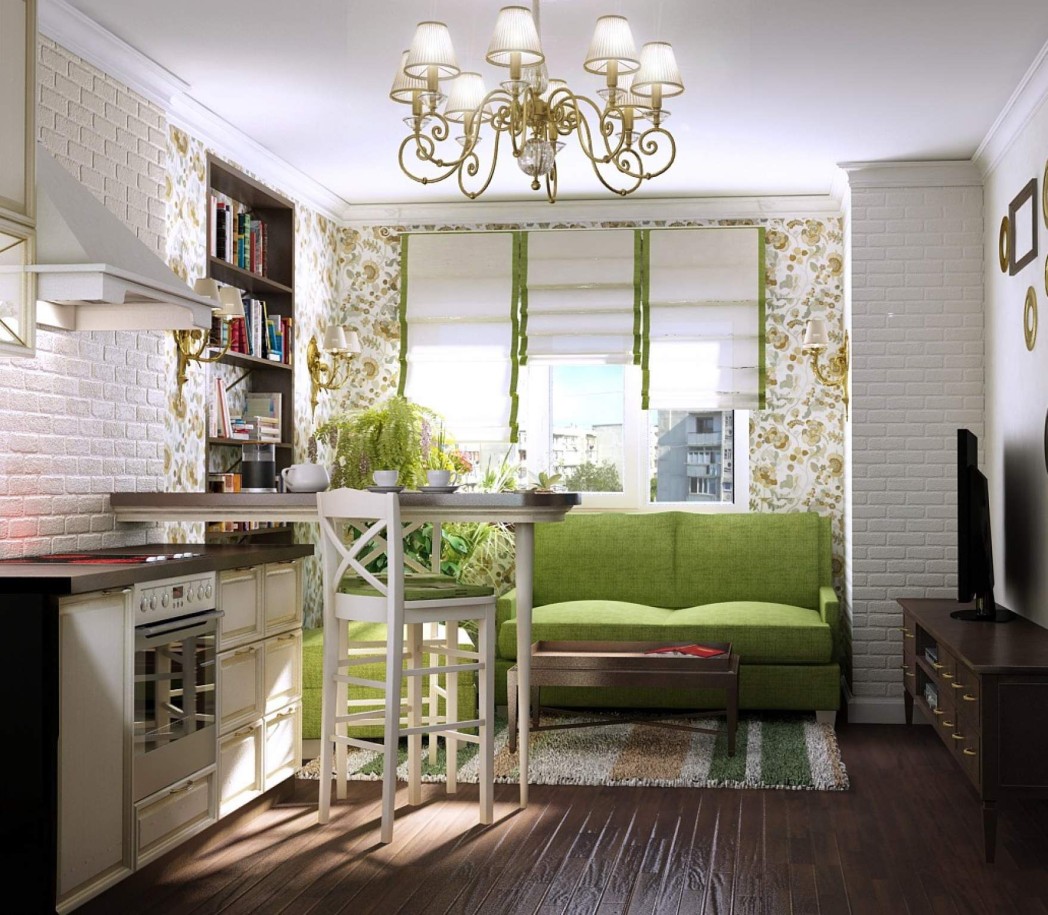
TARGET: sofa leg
(826,717)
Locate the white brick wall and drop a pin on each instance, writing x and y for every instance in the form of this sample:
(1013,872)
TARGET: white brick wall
(917,339)
(85,417)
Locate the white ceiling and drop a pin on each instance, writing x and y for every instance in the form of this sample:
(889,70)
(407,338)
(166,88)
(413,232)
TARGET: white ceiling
(777,91)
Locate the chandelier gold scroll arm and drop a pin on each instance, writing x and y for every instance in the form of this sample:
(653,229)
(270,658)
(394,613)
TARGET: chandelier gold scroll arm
(583,132)
(648,145)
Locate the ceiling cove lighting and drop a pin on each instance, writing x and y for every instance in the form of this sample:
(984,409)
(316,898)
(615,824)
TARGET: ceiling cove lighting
(623,137)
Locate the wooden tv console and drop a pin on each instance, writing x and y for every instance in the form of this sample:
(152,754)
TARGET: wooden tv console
(984,688)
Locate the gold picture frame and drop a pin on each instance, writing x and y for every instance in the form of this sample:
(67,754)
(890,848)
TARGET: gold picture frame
(1044,194)
(1023,207)
(1002,245)
(1030,318)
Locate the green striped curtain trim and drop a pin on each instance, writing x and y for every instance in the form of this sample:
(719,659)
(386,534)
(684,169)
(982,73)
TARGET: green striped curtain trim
(525,285)
(761,320)
(645,304)
(514,346)
(403,315)
(637,254)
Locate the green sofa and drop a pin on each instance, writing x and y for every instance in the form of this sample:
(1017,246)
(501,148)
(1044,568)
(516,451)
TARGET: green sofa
(761,581)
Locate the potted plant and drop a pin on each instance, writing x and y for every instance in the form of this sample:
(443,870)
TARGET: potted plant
(387,436)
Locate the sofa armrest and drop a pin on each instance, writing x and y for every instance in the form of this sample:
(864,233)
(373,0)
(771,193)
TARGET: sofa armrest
(505,609)
(830,611)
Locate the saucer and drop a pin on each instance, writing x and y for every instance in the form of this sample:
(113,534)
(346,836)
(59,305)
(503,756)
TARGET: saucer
(438,488)
(385,489)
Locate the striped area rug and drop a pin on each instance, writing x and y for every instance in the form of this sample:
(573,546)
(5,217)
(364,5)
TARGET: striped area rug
(771,751)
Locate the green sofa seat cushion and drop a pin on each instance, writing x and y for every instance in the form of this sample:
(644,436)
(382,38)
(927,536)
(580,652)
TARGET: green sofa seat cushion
(760,632)
(417,587)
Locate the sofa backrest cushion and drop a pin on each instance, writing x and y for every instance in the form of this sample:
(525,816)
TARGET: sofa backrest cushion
(606,556)
(753,556)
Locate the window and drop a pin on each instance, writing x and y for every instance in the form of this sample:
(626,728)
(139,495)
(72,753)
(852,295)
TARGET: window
(584,422)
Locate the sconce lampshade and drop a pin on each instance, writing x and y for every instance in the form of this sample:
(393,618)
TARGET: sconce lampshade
(515,33)
(658,67)
(335,339)
(207,287)
(352,341)
(232,303)
(815,334)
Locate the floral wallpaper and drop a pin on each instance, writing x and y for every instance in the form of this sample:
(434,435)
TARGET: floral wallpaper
(796,443)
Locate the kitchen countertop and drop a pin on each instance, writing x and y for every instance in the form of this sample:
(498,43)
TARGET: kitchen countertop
(22,578)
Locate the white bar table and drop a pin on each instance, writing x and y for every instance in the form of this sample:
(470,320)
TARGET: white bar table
(521,509)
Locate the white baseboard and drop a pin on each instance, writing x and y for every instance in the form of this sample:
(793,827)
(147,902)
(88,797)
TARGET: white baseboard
(875,710)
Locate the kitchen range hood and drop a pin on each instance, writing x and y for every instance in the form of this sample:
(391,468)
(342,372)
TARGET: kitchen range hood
(93,273)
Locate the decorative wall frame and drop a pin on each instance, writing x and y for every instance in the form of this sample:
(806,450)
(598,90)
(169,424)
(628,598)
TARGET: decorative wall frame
(1022,211)
(1030,318)
(1044,194)
(1003,252)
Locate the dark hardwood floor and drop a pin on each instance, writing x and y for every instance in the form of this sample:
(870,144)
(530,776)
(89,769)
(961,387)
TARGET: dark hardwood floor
(906,838)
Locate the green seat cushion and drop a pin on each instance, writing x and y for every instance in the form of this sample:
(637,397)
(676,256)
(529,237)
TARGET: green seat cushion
(760,632)
(417,587)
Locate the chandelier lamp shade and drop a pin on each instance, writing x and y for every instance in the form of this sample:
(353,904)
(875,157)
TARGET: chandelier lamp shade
(622,135)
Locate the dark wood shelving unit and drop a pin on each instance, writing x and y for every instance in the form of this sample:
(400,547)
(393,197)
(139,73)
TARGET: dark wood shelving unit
(277,289)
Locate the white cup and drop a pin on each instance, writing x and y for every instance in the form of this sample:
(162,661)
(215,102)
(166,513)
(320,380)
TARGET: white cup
(385,477)
(438,477)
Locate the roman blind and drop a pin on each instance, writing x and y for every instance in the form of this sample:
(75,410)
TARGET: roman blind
(580,297)
(458,296)
(703,318)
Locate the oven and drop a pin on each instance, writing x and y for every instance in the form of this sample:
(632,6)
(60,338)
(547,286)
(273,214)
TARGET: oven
(176,633)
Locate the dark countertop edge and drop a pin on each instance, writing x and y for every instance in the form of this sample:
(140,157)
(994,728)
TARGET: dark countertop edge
(58,579)
(299,499)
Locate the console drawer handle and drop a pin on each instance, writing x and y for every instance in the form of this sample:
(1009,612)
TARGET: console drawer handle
(968,752)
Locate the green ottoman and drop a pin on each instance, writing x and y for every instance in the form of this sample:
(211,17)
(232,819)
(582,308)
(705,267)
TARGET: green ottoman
(312,676)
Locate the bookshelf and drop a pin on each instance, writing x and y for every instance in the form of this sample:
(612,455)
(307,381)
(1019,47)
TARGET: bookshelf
(251,246)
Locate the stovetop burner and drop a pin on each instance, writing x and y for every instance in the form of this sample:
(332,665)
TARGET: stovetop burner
(102,558)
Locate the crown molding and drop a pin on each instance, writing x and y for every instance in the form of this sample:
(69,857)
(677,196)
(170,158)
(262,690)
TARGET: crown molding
(82,36)
(478,212)
(1025,101)
(944,173)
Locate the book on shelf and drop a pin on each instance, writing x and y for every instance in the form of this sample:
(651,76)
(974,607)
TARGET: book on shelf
(238,236)
(222,425)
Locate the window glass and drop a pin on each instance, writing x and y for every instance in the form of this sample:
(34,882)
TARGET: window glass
(691,456)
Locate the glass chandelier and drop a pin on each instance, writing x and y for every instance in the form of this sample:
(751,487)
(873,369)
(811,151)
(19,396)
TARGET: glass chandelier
(623,137)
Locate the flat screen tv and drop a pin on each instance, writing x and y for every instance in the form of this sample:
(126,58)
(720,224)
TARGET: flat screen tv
(974,543)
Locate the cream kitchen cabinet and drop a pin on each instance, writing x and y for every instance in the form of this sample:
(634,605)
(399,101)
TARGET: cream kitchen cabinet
(260,680)
(95,681)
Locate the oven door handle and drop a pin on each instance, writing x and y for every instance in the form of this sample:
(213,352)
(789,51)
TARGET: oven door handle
(201,622)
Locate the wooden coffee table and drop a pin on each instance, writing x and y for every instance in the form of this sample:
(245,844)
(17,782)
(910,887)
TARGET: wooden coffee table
(613,664)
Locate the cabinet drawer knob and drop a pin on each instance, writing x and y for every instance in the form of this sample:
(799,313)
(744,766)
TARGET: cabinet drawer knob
(243,732)
(968,698)
(957,685)
(957,736)
(938,711)
(911,676)
(947,724)
(947,676)
(968,752)
(251,649)
(183,788)
(937,665)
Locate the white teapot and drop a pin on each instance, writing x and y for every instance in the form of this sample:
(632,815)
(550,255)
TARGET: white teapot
(305,478)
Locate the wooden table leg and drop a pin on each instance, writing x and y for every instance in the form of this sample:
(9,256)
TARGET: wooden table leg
(511,703)
(525,548)
(733,714)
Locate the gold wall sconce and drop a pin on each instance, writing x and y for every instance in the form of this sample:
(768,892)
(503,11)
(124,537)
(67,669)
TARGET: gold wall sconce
(340,343)
(191,345)
(835,374)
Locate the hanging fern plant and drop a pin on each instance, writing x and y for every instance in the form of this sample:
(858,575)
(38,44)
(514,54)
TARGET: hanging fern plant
(387,436)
